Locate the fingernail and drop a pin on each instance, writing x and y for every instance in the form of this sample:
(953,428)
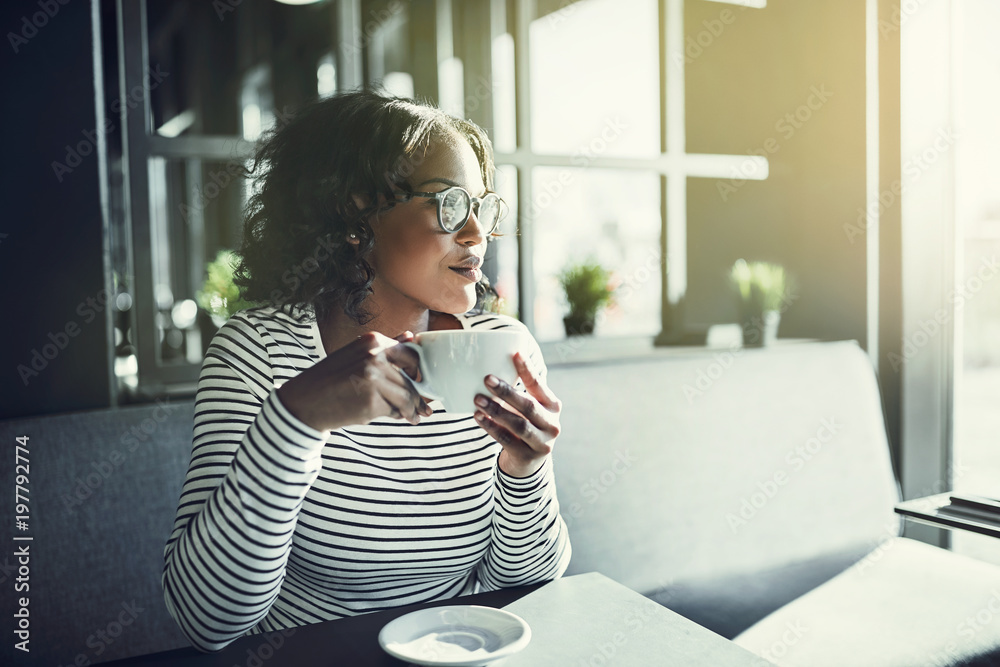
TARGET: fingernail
(491,381)
(480,417)
(481,401)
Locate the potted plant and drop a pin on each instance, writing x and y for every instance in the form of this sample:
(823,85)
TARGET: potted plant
(219,296)
(587,291)
(762,288)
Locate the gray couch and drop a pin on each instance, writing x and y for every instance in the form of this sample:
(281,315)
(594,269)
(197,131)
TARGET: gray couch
(757,500)
(103,489)
(750,491)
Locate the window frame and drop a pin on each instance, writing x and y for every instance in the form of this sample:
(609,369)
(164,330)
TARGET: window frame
(480,17)
(524,159)
(141,145)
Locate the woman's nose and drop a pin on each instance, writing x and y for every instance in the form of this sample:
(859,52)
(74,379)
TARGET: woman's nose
(473,231)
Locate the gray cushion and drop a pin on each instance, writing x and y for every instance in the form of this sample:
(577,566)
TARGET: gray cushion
(659,457)
(906,604)
(730,605)
(102,503)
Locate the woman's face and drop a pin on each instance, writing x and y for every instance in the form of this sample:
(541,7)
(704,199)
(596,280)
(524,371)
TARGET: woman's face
(413,257)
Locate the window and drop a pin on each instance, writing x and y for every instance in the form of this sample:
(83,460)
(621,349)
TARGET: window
(586,116)
(975,466)
(949,355)
(595,94)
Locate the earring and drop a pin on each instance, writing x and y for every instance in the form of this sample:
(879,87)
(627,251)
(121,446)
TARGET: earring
(352,235)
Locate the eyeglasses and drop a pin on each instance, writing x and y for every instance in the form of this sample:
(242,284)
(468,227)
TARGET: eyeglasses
(455,205)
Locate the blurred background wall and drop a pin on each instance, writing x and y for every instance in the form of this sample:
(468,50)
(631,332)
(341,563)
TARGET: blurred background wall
(788,81)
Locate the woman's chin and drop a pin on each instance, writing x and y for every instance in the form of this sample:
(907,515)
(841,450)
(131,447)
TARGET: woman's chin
(456,306)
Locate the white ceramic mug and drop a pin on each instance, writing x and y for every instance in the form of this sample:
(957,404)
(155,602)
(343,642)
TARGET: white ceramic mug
(454,364)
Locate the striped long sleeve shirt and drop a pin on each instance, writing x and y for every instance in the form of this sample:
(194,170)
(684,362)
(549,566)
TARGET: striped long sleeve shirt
(281,525)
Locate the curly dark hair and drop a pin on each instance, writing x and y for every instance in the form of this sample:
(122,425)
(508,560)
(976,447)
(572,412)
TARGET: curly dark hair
(305,173)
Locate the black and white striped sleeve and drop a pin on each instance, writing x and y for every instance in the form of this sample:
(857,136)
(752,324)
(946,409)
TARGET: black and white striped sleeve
(252,464)
(530,541)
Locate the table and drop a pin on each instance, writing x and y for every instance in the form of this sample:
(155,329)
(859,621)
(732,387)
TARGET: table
(589,620)
(582,620)
(925,510)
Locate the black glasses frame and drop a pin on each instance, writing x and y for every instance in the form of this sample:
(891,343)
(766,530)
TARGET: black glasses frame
(475,204)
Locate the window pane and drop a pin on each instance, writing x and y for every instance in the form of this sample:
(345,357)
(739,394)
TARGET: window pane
(385,40)
(611,216)
(506,246)
(200,55)
(976,457)
(195,210)
(504,100)
(595,79)
(326,76)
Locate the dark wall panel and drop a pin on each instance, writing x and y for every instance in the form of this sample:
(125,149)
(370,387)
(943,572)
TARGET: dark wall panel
(51,256)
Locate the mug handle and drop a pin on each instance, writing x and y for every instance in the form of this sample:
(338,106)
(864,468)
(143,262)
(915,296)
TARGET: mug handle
(423,387)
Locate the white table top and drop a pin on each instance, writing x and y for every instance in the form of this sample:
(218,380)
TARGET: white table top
(589,619)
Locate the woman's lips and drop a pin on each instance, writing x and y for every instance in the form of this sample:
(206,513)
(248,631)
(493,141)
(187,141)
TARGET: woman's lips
(473,275)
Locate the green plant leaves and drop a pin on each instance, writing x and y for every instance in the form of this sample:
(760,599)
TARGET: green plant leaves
(218,295)
(761,286)
(586,287)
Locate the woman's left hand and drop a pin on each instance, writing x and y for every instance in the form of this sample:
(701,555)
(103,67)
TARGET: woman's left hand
(525,426)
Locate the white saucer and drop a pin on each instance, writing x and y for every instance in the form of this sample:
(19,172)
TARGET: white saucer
(456,636)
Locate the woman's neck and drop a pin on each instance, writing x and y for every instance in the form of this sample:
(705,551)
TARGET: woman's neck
(337,329)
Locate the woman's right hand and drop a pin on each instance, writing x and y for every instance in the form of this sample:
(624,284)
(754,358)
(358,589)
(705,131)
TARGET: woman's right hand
(356,384)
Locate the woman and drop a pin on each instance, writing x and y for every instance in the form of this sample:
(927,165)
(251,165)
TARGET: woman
(320,484)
